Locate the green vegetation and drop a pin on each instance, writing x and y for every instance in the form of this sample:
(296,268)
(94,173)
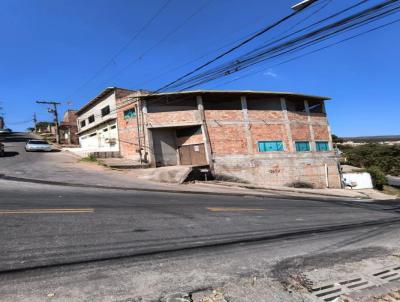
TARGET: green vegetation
(90,158)
(384,157)
(378,159)
(336,139)
(378,177)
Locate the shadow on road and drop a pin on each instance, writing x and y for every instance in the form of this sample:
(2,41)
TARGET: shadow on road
(10,154)
(14,138)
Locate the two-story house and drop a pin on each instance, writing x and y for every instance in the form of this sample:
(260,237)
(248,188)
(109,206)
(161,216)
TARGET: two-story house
(97,121)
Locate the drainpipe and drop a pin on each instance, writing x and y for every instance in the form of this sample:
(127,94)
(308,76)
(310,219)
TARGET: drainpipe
(326,175)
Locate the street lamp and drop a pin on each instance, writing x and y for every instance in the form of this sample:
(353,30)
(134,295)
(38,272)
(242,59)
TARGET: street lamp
(303,4)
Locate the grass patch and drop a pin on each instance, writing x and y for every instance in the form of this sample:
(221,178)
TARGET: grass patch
(90,158)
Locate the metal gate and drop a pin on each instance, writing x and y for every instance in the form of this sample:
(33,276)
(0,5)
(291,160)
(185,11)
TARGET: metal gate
(192,155)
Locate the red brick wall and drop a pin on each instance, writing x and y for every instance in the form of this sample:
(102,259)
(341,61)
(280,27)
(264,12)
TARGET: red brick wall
(224,115)
(269,133)
(297,116)
(127,131)
(318,117)
(174,117)
(321,132)
(190,140)
(300,132)
(227,139)
(265,115)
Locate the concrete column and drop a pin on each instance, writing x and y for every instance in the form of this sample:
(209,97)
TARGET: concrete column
(329,127)
(246,125)
(148,137)
(290,148)
(204,130)
(312,135)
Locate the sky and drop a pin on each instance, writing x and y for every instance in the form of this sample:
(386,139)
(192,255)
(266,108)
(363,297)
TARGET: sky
(69,51)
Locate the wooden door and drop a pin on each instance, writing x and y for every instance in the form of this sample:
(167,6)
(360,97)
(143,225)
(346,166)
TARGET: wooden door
(193,155)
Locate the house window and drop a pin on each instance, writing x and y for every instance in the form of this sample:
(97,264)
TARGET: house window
(315,107)
(219,102)
(295,105)
(113,127)
(263,103)
(105,111)
(93,134)
(83,123)
(302,146)
(130,113)
(91,119)
(269,146)
(322,146)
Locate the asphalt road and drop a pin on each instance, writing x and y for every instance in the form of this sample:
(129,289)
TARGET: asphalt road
(44,225)
(48,226)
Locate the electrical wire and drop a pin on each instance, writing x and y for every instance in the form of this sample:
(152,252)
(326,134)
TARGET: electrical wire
(309,26)
(239,45)
(122,49)
(159,42)
(310,52)
(309,39)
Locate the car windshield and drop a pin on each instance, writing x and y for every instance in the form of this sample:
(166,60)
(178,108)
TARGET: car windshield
(38,142)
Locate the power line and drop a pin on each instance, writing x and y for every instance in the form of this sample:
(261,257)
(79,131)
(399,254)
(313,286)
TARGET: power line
(327,2)
(306,40)
(122,49)
(316,36)
(239,45)
(164,38)
(332,16)
(311,52)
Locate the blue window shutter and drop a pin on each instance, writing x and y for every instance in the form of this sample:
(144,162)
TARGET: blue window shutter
(130,113)
(270,146)
(322,146)
(302,146)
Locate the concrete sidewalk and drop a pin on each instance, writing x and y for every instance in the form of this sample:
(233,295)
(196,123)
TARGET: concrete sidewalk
(342,193)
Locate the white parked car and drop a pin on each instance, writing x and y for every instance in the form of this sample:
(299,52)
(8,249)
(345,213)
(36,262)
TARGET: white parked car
(5,131)
(38,145)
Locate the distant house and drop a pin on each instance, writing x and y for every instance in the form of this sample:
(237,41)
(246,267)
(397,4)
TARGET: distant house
(97,122)
(362,140)
(69,128)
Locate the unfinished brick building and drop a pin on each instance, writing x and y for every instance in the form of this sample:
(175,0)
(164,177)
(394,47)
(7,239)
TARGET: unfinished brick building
(268,138)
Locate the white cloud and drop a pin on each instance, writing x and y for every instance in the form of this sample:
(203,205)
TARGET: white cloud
(270,73)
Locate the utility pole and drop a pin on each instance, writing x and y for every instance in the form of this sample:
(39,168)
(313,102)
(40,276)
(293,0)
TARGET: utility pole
(35,121)
(54,111)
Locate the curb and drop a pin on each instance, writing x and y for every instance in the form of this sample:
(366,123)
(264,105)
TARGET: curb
(260,189)
(57,183)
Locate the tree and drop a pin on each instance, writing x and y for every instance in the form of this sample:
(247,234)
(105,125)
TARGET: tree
(336,139)
(378,177)
(384,157)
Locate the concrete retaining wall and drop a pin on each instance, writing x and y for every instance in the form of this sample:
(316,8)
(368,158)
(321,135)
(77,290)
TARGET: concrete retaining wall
(280,170)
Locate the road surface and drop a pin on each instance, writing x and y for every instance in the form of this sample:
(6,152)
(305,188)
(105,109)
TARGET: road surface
(50,234)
